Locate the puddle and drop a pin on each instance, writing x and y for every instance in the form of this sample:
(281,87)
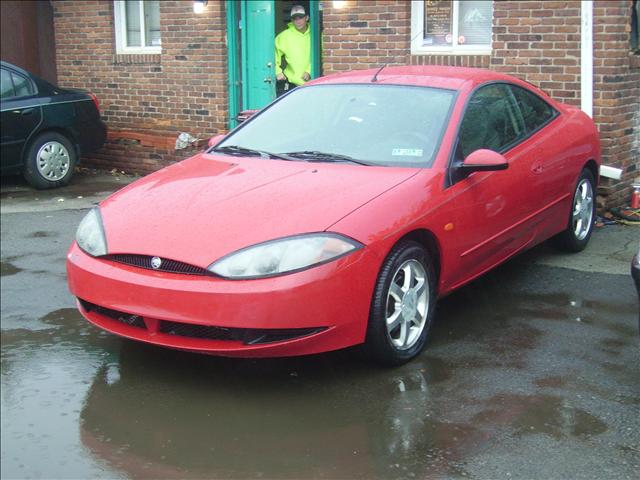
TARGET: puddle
(546,414)
(7,269)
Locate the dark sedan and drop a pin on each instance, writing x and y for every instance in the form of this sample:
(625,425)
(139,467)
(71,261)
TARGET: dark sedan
(45,128)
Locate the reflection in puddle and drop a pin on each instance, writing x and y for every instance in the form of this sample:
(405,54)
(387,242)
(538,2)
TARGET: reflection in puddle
(172,415)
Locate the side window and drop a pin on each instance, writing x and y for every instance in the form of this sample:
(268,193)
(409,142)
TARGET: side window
(6,87)
(535,111)
(490,121)
(22,85)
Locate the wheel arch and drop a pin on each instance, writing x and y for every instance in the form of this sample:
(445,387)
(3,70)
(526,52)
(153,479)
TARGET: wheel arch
(429,241)
(592,166)
(68,134)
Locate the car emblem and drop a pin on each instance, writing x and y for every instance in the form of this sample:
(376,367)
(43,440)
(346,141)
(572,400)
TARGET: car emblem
(156,262)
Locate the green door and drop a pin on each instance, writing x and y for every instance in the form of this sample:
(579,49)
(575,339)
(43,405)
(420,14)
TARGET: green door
(258,70)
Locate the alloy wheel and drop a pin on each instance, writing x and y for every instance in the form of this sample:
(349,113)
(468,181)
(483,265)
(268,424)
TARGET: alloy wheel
(582,215)
(407,305)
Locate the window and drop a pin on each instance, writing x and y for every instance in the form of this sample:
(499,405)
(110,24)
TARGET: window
(451,27)
(14,85)
(535,111)
(384,125)
(490,121)
(137,25)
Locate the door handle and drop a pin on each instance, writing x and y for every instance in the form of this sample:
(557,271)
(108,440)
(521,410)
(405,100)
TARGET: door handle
(269,64)
(268,80)
(27,111)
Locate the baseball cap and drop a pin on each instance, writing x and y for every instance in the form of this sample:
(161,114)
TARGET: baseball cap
(298,11)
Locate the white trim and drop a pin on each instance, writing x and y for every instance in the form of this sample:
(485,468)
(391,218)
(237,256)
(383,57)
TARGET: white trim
(610,172)
(417,35)
(586,57)
(119,25)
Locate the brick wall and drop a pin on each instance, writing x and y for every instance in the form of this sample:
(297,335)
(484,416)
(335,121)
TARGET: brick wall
(181,90)
(616,102)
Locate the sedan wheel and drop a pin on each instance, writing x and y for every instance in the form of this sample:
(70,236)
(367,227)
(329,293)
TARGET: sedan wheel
(50,161)
(402,305)
(53,161)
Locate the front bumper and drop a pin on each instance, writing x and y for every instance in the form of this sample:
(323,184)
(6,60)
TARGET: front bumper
(321,309)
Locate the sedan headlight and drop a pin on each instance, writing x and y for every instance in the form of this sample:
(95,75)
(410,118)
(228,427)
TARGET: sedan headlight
(90,235)
(285,255)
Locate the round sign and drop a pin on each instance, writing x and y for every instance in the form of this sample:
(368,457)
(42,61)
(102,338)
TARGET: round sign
(448,38)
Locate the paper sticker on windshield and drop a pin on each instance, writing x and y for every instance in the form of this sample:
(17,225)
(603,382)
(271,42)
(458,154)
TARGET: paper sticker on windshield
(407,152)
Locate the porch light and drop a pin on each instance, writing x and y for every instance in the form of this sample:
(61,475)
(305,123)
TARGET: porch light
(198,6)
(338,4)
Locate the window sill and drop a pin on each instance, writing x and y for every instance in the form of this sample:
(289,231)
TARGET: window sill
(136,59)
(450,51)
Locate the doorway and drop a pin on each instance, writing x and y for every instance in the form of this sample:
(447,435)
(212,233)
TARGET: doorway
(252,26)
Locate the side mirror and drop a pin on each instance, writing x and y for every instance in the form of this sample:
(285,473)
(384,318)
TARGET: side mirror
(215,140)
(245,115)
(482,160)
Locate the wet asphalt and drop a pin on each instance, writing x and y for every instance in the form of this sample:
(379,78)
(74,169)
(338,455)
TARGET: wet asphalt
(532,371)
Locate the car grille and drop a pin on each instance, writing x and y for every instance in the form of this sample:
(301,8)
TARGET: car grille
(201,331)
(144,261)
(248,336)
(126,318)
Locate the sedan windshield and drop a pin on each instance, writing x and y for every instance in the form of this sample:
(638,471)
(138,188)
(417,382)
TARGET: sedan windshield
(368,124)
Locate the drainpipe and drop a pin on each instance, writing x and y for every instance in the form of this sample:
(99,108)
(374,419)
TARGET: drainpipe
(586,61)
(586,74)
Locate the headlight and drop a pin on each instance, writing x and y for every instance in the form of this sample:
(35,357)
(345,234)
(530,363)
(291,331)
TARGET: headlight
(90,235)
(285,255)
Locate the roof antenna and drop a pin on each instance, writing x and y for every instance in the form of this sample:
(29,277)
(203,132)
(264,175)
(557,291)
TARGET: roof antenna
(375,77)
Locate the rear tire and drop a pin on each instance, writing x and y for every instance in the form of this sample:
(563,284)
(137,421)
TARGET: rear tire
(402,306)
(50,161)
(581,217)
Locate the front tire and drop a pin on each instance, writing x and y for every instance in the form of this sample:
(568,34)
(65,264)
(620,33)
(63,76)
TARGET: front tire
(581,218)
(402,306)
(50,161)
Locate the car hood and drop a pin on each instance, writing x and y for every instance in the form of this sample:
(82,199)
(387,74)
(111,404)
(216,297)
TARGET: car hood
(205,207)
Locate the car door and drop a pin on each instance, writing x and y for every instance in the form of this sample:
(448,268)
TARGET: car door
(488,209)
(551,176)
(20,115)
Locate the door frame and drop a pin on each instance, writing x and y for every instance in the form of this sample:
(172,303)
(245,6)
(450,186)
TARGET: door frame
(234,60)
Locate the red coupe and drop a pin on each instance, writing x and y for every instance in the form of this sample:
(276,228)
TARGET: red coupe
(337,215)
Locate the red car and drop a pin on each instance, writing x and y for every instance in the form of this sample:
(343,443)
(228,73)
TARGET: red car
(338,215)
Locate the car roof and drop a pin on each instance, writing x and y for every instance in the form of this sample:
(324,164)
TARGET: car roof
(455,78)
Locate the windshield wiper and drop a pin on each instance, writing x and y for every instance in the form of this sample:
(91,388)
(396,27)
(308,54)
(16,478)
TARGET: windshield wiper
(249,152)
(317,156)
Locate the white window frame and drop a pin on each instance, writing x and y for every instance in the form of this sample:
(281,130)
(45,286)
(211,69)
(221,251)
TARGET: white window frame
(417,35)
(120,25)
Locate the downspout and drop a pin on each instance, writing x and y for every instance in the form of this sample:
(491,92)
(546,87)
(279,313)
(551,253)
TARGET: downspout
(586,60)
(586,74)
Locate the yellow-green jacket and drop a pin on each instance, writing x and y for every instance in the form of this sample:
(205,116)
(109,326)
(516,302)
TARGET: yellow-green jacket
(296,48)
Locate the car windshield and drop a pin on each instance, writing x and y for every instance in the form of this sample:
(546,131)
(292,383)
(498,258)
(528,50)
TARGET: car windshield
(369,124)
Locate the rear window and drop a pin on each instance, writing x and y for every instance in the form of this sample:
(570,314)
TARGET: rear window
(535,111)
(14,85)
